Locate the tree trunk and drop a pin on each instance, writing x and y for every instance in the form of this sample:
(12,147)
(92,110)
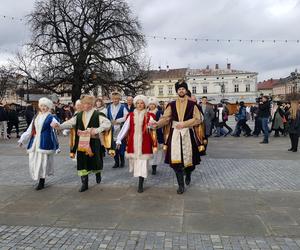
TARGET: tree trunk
(76,91)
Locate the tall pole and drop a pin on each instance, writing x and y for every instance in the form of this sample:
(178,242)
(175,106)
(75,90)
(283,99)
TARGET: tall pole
(27,90)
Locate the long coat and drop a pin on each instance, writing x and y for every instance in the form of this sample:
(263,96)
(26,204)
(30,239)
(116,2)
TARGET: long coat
(208,116)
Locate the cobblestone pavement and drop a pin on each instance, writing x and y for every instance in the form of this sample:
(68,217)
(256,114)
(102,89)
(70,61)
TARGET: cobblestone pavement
(66,238)
(233,166)
(244,174)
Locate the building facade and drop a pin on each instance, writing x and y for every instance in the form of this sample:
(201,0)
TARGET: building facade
(216,84)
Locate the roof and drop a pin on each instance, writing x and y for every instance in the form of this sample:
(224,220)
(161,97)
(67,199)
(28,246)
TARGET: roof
(167,74)
(268,84)
(216,72)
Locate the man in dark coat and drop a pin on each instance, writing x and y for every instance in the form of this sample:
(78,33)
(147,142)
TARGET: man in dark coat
(13,120)
(3,121)
(181,143)
(208,114)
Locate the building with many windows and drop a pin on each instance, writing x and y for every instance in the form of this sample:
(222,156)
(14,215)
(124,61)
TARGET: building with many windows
(216,84)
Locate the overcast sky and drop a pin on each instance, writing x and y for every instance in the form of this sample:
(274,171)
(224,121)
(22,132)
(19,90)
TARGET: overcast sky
(218,19)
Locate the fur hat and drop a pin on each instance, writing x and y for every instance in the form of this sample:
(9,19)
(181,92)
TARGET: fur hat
(153,100)
(181,84)
(141,97)
(47,102)
(88,99)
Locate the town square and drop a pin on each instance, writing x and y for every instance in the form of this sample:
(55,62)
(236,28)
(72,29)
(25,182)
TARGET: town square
(149,125)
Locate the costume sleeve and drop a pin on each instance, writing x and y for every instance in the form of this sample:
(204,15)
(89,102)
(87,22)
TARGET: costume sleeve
(123,131)
(165,118)
(196,120)
(68,124)
(104,124)
(27,134)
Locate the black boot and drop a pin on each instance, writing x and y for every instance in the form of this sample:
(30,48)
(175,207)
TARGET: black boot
(41,184)
(117,162)
(85,183)
(187,178)
(180,181)
(98,178)
(122,161)
(141,183)
(154,169)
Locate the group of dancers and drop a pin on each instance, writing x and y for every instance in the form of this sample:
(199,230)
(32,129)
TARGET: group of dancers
(144,135)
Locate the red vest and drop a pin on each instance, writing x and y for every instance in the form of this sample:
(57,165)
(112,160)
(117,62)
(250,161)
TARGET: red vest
(148,140)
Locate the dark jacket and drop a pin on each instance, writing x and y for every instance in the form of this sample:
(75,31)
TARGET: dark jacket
(264,110)
(29,114)
(294,124)
(13,116)
(3,114)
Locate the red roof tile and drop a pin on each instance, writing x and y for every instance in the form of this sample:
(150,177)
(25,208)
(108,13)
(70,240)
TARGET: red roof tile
(267,84)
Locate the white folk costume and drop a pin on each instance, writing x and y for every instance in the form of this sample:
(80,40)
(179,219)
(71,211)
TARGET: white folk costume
(141,141)
(42,144)
(88,147)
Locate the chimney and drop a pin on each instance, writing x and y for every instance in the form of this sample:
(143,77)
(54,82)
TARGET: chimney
(217,66)
(228,66)
(207,67)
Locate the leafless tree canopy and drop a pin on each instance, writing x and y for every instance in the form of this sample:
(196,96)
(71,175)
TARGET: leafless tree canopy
(79,44)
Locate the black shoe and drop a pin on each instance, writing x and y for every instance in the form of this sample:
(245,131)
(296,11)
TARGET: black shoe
(116,165)
(85,183)
(188,179)
(41,184)
(180,181)
(248,135)
(122,162)
(98,178)
(290,149)
(154,169)
(141,183)
(264,142)
(294,150)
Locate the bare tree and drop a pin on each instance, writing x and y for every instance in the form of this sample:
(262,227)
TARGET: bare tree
(78,45)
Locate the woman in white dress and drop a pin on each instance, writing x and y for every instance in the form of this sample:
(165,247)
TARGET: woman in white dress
(141,142)
(42,143)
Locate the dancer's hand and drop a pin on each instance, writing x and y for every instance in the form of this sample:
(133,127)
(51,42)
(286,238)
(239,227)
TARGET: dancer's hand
(54,125)
(153,124)
(93,131)
(179,125)
(20,144)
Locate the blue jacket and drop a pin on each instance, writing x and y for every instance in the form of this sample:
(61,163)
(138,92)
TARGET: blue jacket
(48,139)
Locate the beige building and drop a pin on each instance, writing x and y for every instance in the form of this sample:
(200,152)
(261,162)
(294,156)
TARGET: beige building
(215,83)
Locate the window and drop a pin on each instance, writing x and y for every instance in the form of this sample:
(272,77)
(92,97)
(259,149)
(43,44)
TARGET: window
(236,88)
(247,87)
(170,90)
(204,89)
(160,90)
(194,90)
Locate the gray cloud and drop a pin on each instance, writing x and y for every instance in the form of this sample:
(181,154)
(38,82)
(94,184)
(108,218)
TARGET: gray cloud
(219,19)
